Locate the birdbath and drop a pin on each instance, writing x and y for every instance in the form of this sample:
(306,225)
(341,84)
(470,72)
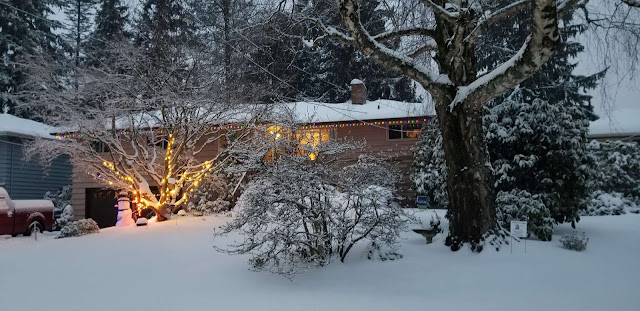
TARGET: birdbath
(428,233)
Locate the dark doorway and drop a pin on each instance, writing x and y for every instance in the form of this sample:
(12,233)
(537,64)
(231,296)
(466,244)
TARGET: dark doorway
(100,206)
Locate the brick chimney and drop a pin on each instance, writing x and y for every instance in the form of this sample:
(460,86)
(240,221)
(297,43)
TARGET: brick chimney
(358,92)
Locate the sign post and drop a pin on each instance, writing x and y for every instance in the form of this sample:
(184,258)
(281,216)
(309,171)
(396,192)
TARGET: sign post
(519,230)
(422,202)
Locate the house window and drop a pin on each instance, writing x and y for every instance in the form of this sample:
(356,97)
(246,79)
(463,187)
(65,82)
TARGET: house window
(99,147)
(404,131)
(309,139)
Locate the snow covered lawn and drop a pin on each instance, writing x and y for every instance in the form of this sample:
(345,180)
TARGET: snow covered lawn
(172,266)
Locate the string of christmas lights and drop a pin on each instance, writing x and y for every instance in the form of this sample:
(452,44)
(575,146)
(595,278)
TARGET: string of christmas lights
(215,128)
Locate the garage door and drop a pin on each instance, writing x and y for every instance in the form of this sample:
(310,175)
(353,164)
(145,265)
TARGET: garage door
(101,207)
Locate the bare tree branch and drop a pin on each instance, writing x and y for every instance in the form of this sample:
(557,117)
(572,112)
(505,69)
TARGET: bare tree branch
(350,16)
(494,17)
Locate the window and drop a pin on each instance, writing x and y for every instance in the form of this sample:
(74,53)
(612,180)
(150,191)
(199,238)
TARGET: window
(404,131)
(310,138)
(99,147)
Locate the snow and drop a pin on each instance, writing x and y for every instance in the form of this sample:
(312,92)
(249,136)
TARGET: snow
(40,205)
(175,260)
(314,112)
(15,126)
(356,81)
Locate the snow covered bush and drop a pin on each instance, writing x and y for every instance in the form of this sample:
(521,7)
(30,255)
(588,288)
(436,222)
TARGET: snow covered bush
(79,228)
(61,199)
(521,205)
(299,213)
(616,184)
(574,241)
(213,196)
(430,175)
(65,217)
(602,203)
(541,148)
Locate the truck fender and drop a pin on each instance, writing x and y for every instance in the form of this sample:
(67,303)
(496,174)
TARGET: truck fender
(36,216)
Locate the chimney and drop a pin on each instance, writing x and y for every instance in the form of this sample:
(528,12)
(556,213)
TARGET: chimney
(358,92)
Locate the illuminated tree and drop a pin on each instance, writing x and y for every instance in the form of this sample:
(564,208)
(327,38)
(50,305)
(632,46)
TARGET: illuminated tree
(133,130)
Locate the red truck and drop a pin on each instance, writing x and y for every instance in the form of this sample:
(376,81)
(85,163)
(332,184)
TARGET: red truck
(24,216)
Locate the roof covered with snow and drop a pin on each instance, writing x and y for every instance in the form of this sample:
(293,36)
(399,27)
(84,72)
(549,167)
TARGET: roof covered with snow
(621,122)
(15,126)
(314,112)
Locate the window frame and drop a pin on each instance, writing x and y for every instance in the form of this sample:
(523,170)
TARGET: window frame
(405,128)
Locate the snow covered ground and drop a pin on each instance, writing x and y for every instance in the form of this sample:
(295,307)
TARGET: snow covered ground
(172,266)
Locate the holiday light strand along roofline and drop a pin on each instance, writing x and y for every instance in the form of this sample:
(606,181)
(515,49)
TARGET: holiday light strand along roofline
(415,121)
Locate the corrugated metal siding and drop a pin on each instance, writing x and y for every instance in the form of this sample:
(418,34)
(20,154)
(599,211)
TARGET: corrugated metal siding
(4,160)
(29,180)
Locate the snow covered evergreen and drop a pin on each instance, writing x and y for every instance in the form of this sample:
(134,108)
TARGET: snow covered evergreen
(24,31)
(430,170)
(615,188)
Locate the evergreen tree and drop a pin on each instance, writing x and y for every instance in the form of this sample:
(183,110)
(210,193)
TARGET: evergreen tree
(24,31)
(110,27)
(618,166)
(227,29)
(79,13)
(541,148)
(324,73)
(164,29)
(555,82)
(430,170)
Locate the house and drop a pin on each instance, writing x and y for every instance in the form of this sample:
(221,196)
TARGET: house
(389,128)
(28,179)
(621,124)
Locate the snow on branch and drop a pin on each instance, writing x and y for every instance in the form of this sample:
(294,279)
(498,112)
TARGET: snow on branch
(350,16)
(418,31)
(535,51)
(330,32)
(440,11)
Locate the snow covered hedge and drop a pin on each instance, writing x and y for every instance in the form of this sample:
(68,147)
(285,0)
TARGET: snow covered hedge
(300,213)
(79,228)
(602,203)
(616,183)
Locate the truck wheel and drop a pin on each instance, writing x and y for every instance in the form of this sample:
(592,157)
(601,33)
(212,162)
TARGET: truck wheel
(36,225)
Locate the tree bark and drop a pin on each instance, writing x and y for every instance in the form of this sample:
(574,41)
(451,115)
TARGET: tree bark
(471,211)
(460,95)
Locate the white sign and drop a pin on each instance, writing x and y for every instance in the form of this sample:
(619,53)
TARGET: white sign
(519,229)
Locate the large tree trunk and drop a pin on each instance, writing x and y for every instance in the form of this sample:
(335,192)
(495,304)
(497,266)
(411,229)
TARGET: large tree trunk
(471,199)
